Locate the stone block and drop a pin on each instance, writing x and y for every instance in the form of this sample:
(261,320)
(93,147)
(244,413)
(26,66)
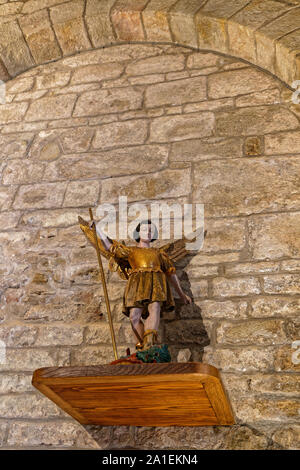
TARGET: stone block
(31,406)
(56,107)
(102,164)
(53,80)
(14,145)
(92,103)
(40,195)
(155,186)
(119,134)
(259,409)
(238,186)
(14,50)
(81,193)
(260,98)
(97,73)
(126,18)
(60,335)
(53,434)
(205,149)
(69,26)
(19,85)
(176,92)
(274,306)
(22,172)
(288,436)
(286,359)
(98,22)
(241,41)
(274,236)
(282,284)
(40,36)
(245,359)
(283,142)
(212,32)
(181,18)
(252,332)
(238,82)
(12,112)
(6,196)
(159,64)
(225,309)
(174,128)
(231,287)
(256,120)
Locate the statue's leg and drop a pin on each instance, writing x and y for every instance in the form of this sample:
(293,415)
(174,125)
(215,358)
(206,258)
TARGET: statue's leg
(135,318)
(151,325)
(152,321)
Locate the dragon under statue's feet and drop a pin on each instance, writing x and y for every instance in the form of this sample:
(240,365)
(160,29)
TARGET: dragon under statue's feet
(154,354)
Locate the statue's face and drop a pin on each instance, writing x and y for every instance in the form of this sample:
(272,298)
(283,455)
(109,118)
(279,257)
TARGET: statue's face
(146,232)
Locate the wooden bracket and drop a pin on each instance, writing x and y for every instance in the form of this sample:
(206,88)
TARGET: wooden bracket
(166,394)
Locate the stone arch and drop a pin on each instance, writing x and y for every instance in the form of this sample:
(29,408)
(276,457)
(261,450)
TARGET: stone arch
(265,33)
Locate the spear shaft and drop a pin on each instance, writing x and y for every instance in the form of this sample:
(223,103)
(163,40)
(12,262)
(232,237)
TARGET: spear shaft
(104,286)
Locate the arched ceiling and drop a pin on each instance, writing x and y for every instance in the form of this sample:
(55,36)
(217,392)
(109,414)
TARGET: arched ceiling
(263,32)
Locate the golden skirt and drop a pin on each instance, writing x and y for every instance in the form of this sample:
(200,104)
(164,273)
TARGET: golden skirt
(144,287)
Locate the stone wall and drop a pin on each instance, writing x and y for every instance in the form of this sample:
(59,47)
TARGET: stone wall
(152,122)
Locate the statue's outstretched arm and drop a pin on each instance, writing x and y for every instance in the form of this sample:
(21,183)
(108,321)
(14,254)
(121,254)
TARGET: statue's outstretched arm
(105,241)
(173,278)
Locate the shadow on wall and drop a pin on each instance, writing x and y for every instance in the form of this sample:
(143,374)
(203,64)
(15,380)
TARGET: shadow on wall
(186,331)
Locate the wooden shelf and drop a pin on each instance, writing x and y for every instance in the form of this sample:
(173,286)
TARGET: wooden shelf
(167,394)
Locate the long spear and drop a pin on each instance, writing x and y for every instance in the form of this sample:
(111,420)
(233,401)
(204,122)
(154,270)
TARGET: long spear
(104,285)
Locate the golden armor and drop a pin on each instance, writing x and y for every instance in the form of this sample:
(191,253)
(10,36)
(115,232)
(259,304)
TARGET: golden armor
(147,280)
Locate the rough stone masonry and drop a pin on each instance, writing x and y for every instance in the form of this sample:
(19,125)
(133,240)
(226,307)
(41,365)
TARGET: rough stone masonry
(153,122)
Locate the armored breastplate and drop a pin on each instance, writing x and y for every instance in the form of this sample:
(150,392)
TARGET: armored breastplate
(144,259)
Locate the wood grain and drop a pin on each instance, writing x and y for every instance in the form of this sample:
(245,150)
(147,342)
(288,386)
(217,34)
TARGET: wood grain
(167,394)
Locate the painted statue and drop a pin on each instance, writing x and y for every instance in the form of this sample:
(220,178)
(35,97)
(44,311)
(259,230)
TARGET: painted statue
(150,273)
